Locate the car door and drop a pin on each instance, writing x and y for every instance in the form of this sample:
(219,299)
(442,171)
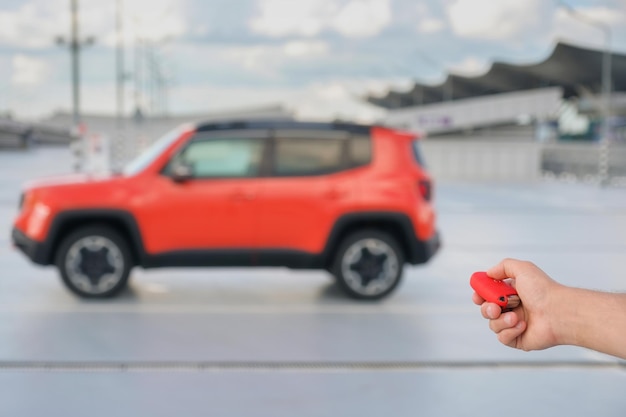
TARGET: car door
(214,208)
(300,200)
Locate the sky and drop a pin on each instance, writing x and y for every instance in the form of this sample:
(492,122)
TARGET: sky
(317,58)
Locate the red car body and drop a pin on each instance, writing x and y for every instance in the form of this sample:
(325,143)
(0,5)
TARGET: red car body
(264,219)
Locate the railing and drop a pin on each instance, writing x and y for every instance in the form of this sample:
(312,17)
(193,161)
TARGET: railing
(505,160)
(580,162)
(14,134)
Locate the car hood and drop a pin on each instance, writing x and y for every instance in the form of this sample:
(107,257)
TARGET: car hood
(68,180)
(80,190)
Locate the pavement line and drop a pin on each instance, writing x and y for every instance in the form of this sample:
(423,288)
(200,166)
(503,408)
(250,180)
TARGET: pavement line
(244,366)
(542,248)
(532,211)
(422,309)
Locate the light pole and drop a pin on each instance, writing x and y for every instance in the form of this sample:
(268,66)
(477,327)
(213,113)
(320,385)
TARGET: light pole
(119,65)
(75,45)
(603,163)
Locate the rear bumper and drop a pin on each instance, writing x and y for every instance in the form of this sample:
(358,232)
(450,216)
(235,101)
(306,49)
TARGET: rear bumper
(422,250)
(34,250)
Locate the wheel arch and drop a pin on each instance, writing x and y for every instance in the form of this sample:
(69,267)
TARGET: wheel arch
(398,225)
(120,220)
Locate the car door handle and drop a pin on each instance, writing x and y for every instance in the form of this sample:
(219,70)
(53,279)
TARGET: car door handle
(243,196)
(334,194)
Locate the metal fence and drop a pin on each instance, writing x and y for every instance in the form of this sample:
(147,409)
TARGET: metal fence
(505,160)
(580,161)
(15,134)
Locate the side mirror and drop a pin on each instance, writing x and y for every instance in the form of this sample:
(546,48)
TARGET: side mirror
(180,172)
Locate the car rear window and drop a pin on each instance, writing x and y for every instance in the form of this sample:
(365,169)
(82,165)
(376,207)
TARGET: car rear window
(359,150)
(417,153)
(303,156)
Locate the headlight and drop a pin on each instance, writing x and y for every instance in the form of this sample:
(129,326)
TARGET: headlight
(27,200)
(37,219)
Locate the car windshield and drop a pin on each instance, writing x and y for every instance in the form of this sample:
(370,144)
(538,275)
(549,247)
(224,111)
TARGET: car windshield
(149,155)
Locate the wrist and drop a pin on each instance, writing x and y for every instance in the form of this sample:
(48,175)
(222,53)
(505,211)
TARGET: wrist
(579,316)
(563,315)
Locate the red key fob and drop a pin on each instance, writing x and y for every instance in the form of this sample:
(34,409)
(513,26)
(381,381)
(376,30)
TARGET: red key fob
(494,291)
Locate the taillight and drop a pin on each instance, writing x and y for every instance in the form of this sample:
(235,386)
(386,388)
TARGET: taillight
(425,189)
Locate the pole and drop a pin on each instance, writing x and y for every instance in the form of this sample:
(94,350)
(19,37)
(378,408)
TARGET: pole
(119,66)
(75,52)
(607,86)
(138,52)
(605,139)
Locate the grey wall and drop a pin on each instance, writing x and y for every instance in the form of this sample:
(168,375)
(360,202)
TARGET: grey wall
(476,160)
(505,160)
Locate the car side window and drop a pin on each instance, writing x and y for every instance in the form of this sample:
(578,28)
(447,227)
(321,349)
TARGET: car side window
(359,151)
(223,157)
(307,156)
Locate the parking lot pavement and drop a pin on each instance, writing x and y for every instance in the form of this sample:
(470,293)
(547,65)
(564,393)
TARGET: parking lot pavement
(277,342)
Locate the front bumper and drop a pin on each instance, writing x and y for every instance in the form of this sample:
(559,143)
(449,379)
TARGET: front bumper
(34,250)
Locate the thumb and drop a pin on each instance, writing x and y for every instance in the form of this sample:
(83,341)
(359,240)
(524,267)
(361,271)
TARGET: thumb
(507,268)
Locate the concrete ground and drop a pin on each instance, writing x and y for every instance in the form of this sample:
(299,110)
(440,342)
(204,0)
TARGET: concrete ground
(273,342)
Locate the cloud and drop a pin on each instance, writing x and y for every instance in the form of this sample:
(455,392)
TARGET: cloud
(431,25)
(28,71)
(362,19)
(470,66)
(256,64)
(306,49)
(427,22)
(333,100)
(494,20)
(354,19)
(156,19)
(317,100)
(287,17)
(581,27)
(36,24)
(319,54)
(32,25)
(262,61)
(150,20)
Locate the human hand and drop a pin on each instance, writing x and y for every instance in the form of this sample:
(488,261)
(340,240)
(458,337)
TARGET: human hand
(533,325)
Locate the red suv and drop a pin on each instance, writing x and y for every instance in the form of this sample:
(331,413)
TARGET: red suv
(353,200)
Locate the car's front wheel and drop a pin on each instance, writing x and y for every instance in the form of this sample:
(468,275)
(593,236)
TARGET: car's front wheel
(94,261)
(368,264)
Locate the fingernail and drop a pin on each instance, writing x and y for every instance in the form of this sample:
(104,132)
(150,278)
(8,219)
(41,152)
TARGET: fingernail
(491,312)
(518,325)
(508,319)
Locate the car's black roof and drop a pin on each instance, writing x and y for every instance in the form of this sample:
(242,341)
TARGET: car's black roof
(283,125)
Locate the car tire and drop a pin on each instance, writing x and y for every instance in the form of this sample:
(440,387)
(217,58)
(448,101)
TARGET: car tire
(368,264)
(94,261)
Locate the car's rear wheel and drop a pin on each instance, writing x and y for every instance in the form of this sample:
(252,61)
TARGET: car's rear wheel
(94,261)
(368,264)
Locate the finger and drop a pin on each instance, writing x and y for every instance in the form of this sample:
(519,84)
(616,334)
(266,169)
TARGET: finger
(505,321)
(477,299)
(509,336)
(490,311)
(508,268)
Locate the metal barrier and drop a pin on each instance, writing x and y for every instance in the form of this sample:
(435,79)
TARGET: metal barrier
(20,135)
(493,160)
(505,160)
(580,162)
